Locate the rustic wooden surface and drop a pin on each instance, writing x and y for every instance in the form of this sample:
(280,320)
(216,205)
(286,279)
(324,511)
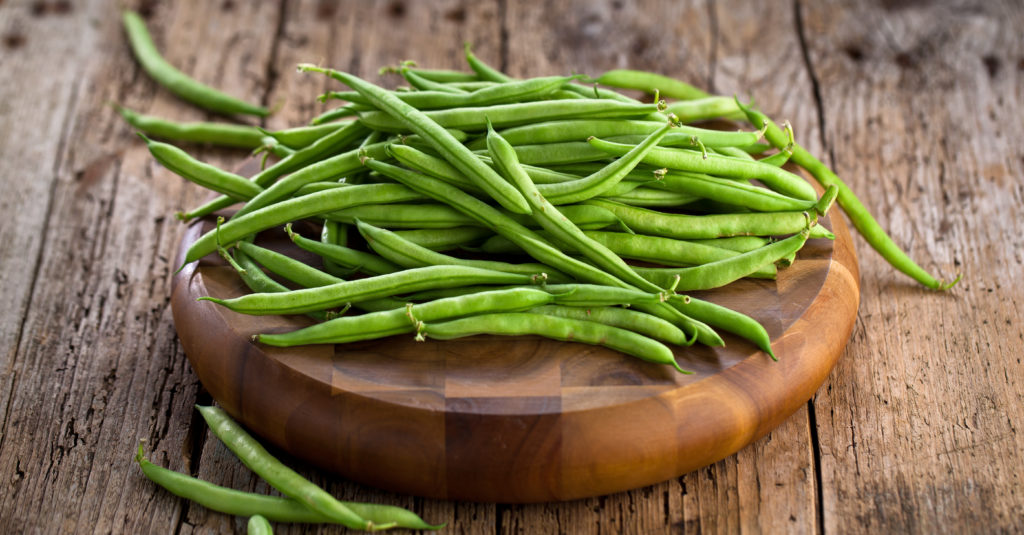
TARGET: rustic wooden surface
(917,105)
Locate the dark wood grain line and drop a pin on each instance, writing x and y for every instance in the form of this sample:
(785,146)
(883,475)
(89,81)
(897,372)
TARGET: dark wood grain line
(812,421)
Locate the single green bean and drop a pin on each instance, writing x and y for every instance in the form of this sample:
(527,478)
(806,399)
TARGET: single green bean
(297,208)
(405,319)
(721,272)
(370,264)
(775,178)
(445,239)
(425,84)
(650,83)
(303,136)
(341,112)
(410,255)
(689,227)
(727,320)
(623,318)
(473,118)
(284,479)
(354,291)
(209,176)
(730,191)
(276,508)
(221,134)
(258,525)
(587,332)
(862,220)
(176,81)
(702,109)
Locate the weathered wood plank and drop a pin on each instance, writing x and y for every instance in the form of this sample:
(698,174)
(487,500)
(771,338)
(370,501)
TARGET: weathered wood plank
(102,366)
(919,424)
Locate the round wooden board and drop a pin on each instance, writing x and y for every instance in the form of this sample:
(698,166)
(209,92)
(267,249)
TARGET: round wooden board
(525,419)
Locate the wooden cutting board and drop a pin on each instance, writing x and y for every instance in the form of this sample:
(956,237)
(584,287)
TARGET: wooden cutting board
(520,419)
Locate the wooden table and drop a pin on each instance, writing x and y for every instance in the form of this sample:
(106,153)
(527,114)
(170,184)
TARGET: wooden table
(917,106)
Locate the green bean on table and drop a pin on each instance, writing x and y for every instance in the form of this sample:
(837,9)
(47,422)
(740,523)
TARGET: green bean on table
(176,81)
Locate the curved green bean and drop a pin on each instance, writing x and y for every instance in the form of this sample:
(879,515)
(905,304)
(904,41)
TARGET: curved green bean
(206,175)
(176,81)
(570,330)
(623,318)
(651,83)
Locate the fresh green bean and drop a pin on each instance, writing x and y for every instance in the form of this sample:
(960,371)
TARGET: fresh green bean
(653,197)
(343,256)
(288,267)
(297,208)
(445,76)
(862,220)
(284,479)
(689,227)
(702,109)
(425,84)
(574,295)
(410,255)
(623,318)
(333,233)
(435,134)
(303,136)
(354,291)
(176,81)
(775,178)
(258,525)
(740,244)
(445,239)
(587,332)
(721,272)
(406,319)
(651,83)
(730,191)
(727,320)
(473,118)
(276,508)
(206,175)
(341,112)
(253,276)
(221,134)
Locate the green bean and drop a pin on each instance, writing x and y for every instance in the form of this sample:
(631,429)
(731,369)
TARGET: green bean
(643,196)
(740,244)
(297,208)
(258,525)
(331,168)
(702,109)
(276,508)
(721,272)
(354,291)
(530,89)
(445,239)
(410,255)
(405,319)
(574,295)
(569,152)
(730,191)
(206,175)
(482,70)
(445,76)
(623,318)
(688,227)
(665,251)
(862,220)
(349,258)
(321,148)
(587,332)
(341,112)
(284,479)
(425,84)
(472,118)
(622,131)
(221,134)
(176,81)
(650,83)
(303,136)
(473,85)
(775,178)
(333,233)
(433,216)
(727,320)
(288,267)
(253,276)
(525,238)
(273,146)
(435,134)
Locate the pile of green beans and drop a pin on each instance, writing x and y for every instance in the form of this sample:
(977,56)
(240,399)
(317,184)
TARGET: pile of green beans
(474,203)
